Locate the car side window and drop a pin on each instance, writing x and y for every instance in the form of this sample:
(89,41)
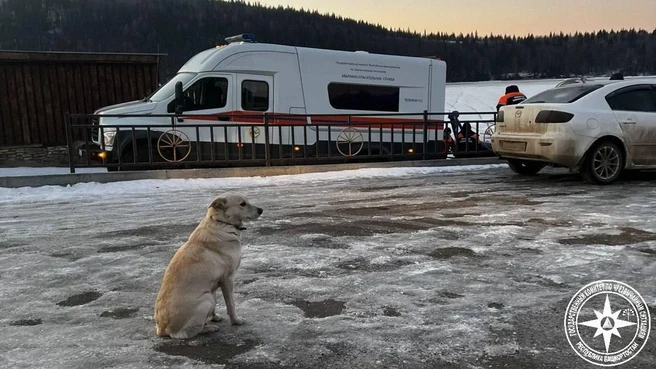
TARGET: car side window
(634,100)
(206,93)
(254,95)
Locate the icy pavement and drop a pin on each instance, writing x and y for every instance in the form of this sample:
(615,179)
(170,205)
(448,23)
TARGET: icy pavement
(396,268)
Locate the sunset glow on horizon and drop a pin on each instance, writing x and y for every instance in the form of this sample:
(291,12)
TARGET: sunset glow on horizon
(510,17)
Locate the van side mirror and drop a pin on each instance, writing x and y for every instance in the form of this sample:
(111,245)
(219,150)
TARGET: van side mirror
(179,99)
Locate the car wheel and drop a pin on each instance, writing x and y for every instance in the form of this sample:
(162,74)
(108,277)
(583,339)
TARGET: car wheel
(524,167)
(604,163)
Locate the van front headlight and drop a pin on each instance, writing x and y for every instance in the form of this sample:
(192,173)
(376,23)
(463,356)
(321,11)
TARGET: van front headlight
(108,138)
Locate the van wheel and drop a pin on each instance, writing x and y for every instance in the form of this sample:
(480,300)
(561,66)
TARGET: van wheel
(525,167)
(127,156)
(603,164)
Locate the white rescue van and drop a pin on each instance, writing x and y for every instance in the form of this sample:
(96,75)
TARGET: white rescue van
(239,82)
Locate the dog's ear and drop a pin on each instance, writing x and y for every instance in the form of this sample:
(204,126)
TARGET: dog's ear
(219,203)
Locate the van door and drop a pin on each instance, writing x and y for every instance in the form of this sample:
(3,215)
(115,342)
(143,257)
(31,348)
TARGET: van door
(207,96)
(635,110)
(254,97)
(207,100)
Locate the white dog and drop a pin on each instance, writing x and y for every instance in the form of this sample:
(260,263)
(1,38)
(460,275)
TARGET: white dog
(206,262)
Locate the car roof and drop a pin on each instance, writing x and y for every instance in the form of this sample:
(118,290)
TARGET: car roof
(577,82)
(610,86)
(577,89)
(607,85)
(619,83)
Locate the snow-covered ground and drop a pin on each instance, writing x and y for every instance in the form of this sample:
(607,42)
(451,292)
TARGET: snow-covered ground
(463,268)
(44,171)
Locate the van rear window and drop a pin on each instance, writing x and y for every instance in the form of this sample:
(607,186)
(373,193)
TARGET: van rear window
(565,94)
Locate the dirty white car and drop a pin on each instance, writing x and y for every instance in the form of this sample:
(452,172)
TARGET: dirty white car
(598,128)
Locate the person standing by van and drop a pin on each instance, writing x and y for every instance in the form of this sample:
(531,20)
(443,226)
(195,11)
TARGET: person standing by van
(512,97)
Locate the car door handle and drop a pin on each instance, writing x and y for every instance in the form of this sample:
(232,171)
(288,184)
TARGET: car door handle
(628,122)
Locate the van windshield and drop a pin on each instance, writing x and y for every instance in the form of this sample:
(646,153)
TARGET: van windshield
(565,94)
(168,89)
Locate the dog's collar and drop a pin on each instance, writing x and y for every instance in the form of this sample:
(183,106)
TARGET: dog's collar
(239,228)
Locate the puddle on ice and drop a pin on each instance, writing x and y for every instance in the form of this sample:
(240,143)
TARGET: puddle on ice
(320,309)
(80,299)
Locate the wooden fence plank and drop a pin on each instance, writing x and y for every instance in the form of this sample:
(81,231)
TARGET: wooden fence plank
(95,86)
(22,105)
(48,99)
(38,121)
(6,117)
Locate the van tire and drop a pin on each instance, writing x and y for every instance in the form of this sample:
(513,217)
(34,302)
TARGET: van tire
(127,156)
(525,167)
(603,163)
(141,157)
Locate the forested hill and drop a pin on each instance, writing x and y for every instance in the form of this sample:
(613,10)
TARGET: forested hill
(182,28)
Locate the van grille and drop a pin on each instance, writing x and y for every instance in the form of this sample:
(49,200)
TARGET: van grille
(95,130)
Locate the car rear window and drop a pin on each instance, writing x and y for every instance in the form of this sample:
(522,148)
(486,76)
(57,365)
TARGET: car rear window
(565,94)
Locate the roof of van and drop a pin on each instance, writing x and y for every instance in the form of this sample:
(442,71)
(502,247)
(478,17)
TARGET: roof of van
(208,59)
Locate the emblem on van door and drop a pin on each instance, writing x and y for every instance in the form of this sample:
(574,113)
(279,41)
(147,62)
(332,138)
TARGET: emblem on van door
(518,113)
(254,132)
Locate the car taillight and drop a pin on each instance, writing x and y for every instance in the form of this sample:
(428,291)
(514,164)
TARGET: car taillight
(500,116)
(553,116)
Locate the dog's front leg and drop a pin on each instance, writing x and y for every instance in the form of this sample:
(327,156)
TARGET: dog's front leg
(213,317)
(228,288)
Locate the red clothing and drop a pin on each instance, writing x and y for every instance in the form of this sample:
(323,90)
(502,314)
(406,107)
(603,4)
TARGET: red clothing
(511,98)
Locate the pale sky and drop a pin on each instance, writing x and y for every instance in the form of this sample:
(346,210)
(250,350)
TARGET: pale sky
(512,17)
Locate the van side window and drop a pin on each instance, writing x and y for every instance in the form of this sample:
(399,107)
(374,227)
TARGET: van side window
(643,99)
(206,93)
(363,97)
(254,95)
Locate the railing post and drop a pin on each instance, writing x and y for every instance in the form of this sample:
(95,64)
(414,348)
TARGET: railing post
(476,138)
(267,154)
(423,155)
(69,142)
(455,125)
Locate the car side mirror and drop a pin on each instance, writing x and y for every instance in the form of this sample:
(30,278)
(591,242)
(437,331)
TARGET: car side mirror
(179,99)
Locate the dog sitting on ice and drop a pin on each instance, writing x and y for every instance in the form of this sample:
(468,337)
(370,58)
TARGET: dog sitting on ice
(206,262)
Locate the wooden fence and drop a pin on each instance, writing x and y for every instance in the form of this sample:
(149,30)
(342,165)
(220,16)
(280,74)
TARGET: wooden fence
(38,89)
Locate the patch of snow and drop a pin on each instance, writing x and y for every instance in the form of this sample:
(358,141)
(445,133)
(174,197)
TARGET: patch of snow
(149,186)
(43,171)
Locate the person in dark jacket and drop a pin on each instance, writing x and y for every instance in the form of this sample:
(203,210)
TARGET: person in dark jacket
(512,97)
(467,138)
